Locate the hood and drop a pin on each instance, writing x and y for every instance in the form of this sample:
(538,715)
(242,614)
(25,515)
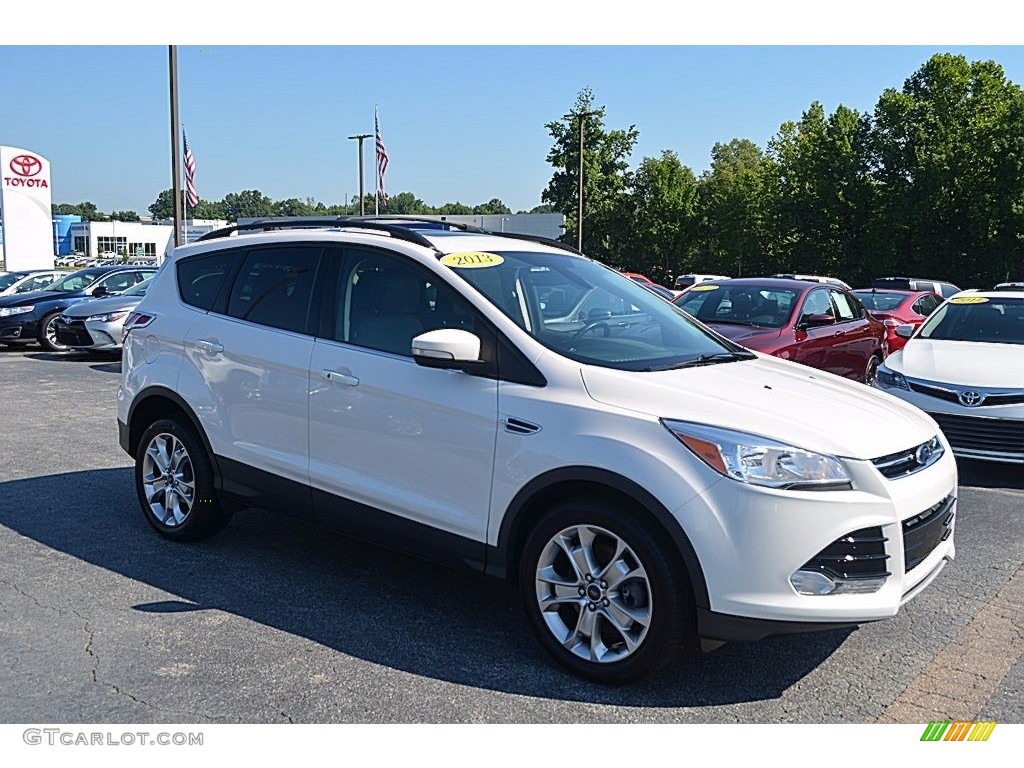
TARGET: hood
(103,306)
(969,363)
(34,297)
(773,398)
(747,335)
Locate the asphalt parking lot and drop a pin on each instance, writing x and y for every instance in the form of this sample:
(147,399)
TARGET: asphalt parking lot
(102,621)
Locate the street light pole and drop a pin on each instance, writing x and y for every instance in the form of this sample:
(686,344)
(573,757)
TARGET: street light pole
(581,116)
(362,200)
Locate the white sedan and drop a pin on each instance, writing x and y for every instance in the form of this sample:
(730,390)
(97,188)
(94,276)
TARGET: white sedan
(965,368)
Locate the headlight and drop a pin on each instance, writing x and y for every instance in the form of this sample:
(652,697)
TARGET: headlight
(759,460)
(8,311)
(109,317)
(887,378)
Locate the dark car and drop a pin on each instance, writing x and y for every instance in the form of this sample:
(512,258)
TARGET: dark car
(896,308)
(823,326)
(27,318)
(945,290)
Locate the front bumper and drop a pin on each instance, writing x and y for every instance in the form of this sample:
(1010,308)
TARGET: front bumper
(750,541)
(19,329)
(78,333)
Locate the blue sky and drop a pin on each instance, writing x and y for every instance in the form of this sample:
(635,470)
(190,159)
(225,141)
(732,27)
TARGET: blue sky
(460,123)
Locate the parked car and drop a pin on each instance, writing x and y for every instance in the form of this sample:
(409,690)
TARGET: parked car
(965,368)
(822,326)
(97,325)
(643,479)
(27,318)
(27,280)
(896,308)
(685,281)
(945,290)
(1009,287)
(815,279)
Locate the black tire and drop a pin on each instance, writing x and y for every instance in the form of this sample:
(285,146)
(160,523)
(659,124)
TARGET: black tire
(871,371)
(161,503)
(46,330)
(665,597)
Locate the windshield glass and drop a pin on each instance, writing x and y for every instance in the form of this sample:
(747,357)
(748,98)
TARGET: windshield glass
(739,304)
(977,318)
(76,281)
(880,302)
(590,313)
(6,281)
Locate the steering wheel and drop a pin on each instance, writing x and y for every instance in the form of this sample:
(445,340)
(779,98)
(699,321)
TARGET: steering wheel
(592,325)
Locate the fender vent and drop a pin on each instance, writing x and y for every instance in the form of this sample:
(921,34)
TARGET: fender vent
(520,427)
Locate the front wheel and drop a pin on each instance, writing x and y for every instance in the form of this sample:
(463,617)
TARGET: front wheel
(871,372)
(603,595)
(174,481)
(48,334)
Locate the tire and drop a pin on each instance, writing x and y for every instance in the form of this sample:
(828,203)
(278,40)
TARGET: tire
(175,483)
(623,627)
(48,334)
(871,371)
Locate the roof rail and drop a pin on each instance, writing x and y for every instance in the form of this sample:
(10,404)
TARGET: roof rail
(437,223)
(300,222)
(537,239)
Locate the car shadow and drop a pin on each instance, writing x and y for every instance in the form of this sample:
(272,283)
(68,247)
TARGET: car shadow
(111,367)
(369,602)
(987,474)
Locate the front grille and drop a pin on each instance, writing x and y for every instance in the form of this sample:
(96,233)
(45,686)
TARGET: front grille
(73,333)
(924,532)
(909,461)
(1015,397)
(977,433)
(857,555)
(937,392)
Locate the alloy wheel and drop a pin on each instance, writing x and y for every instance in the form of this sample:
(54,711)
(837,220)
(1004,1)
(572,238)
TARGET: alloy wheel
(168,480)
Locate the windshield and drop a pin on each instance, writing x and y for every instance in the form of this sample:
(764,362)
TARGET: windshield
(977,318)
(739,304)
(880,302)
(6,281)
(590,313)
(76,281)
(139,289)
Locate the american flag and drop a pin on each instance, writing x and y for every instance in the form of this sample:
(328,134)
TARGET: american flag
(382,161)
(190,173)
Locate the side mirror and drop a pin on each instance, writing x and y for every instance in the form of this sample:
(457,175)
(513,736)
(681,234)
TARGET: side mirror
(816,321)
(450,348)
(905,331)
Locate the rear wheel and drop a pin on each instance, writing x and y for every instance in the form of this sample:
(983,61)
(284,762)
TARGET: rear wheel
(603,595)
(174,481)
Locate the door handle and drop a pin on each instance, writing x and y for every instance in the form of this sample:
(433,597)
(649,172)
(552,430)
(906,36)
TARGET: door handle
(341,378)
(209,347)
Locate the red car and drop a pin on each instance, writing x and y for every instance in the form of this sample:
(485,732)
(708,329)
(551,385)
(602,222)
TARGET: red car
(819,325)
(895,308)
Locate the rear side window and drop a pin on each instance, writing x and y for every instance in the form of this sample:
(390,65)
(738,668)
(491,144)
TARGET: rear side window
(200,278)
(274,287)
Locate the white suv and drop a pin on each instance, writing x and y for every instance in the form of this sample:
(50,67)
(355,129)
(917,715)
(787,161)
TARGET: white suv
(645,481)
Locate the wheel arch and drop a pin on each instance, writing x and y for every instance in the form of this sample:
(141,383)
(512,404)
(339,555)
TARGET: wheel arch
(558,484)
(157,402)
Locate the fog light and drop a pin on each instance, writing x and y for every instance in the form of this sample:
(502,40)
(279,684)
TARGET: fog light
(812,583)
(860,586)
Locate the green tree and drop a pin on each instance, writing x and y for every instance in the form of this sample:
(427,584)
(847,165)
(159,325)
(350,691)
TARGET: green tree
(948,151)
(403,204)
(208,209)
(163,206)
(124,216)
(294,207)
(250,203)
(731,210)
(607,178)
(661,212)
(492,207)
(455,209)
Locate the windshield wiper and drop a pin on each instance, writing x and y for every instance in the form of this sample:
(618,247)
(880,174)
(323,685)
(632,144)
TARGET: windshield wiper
(720,357)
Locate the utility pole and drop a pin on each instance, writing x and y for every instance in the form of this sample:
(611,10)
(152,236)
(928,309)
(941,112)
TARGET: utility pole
(175,147)
(581,116)
(362,199)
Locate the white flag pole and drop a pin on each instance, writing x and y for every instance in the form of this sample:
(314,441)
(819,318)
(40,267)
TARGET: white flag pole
(376,157)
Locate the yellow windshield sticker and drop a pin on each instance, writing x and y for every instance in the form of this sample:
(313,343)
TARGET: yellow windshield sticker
(968,300)
(704,288)
(472,260)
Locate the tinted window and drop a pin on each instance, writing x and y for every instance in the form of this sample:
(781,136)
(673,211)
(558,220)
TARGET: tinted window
(880,302)
(739,304)
(274,287)
(977,318)
(200,277)
(926,305)
(817,303)
(6,281)
(386,301)
(120,282)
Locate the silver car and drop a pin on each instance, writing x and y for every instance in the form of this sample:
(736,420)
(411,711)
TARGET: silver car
(96,325)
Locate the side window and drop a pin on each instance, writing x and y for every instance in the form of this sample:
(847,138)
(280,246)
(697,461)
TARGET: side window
(200,277)
(924,305)
(384,301)
(817,303)
(844,307)
(274,287)
(118,283)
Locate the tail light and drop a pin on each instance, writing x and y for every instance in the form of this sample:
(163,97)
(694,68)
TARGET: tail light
(136,320)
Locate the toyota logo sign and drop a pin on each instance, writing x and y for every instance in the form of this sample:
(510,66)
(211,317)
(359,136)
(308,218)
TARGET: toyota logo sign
(26,165)
(970,398)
